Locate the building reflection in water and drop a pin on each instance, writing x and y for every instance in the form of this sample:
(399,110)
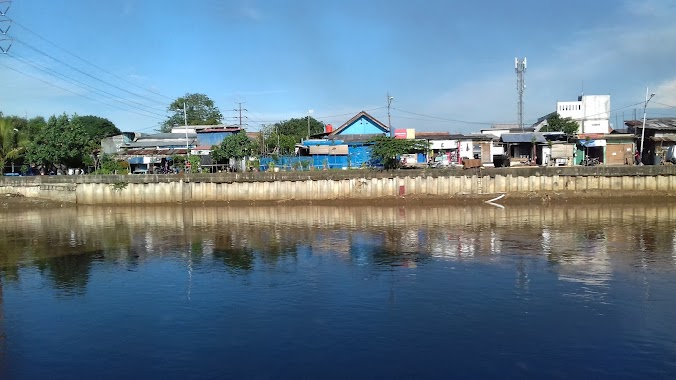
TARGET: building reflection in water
(583,245)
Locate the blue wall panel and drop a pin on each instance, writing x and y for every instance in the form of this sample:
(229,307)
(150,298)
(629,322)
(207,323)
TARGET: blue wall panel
(212,138)
(362,126)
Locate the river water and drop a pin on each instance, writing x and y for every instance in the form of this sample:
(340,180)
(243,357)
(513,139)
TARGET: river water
(289,292)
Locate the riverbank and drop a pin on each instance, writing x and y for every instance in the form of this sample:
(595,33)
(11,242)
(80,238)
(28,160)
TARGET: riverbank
(518,185)
(16,202)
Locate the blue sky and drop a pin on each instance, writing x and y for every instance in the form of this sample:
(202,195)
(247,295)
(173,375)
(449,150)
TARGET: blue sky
(448,64)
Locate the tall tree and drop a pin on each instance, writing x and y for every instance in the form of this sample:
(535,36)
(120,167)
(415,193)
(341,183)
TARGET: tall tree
(283,136)
(199,110)
(556,123)
(17,122)
(13,143)
(235,146)
(387,150)
(62,142)
(97,128)
(35,126)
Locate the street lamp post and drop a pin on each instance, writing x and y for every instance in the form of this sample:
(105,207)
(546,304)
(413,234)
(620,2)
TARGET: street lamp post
(645,106)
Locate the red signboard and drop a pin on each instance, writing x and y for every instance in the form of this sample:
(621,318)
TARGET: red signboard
(400,134)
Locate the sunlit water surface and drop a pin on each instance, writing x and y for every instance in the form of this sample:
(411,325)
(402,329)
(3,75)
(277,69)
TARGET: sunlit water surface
(339,292)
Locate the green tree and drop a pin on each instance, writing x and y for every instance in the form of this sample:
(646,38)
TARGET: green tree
(282,137)
(97,128)
(35,126)
(387,150)
(556,123)
(17,122)
(62,142)
(237,146)
(109,165)
(13,143)
(200,110)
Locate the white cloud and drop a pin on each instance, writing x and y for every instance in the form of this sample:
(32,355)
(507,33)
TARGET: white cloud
(665,93)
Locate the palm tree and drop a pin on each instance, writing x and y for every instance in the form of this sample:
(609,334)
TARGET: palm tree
(12,143)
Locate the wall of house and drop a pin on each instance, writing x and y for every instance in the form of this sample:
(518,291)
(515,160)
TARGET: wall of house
(362,126)
(212,138)
(573,110)
(592,113)
(467,149)
(445,145)
(348,184)
(596,107)
(596,126)
(360,155)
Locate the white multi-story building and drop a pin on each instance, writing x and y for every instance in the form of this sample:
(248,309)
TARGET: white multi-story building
(592,113)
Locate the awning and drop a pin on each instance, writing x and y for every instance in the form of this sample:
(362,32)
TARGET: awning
(592,143)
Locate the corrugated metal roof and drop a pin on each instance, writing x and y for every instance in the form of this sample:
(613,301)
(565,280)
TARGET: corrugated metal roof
(662,124)
(516,138)
(166,136)
(665,138)
(153,152)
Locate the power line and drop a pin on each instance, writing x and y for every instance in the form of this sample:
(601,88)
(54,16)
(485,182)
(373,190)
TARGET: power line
(78,83)
(352,113)
(444,119)
(87,74)
(665,105)
(73,92)
(91,64)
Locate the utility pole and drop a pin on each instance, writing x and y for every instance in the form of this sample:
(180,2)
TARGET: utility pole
(389,119)
(520,68)
(185,126)
(240,109)
(309,112)
(645,106)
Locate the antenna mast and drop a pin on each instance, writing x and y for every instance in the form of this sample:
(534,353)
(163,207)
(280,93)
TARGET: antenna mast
(520,68)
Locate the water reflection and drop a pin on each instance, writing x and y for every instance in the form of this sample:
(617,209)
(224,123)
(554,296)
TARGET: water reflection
(584,244)
(325,267)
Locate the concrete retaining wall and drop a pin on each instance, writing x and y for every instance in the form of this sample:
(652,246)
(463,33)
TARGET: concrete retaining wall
(330,185)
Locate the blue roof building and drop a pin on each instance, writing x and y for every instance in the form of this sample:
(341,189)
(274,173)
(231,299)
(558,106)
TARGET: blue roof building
(349,146)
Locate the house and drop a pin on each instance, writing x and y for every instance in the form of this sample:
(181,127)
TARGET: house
(521,148)
(591,112)
(154,152)
(541,148)
(607,149)
(346,146)
(658,139)
(498,130)
(442,144)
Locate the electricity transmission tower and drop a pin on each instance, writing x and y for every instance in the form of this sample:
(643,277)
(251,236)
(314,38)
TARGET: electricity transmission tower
(240,109)
(520,68)
(5,24)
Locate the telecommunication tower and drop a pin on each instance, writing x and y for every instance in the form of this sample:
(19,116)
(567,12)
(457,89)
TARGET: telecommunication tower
(520,68)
